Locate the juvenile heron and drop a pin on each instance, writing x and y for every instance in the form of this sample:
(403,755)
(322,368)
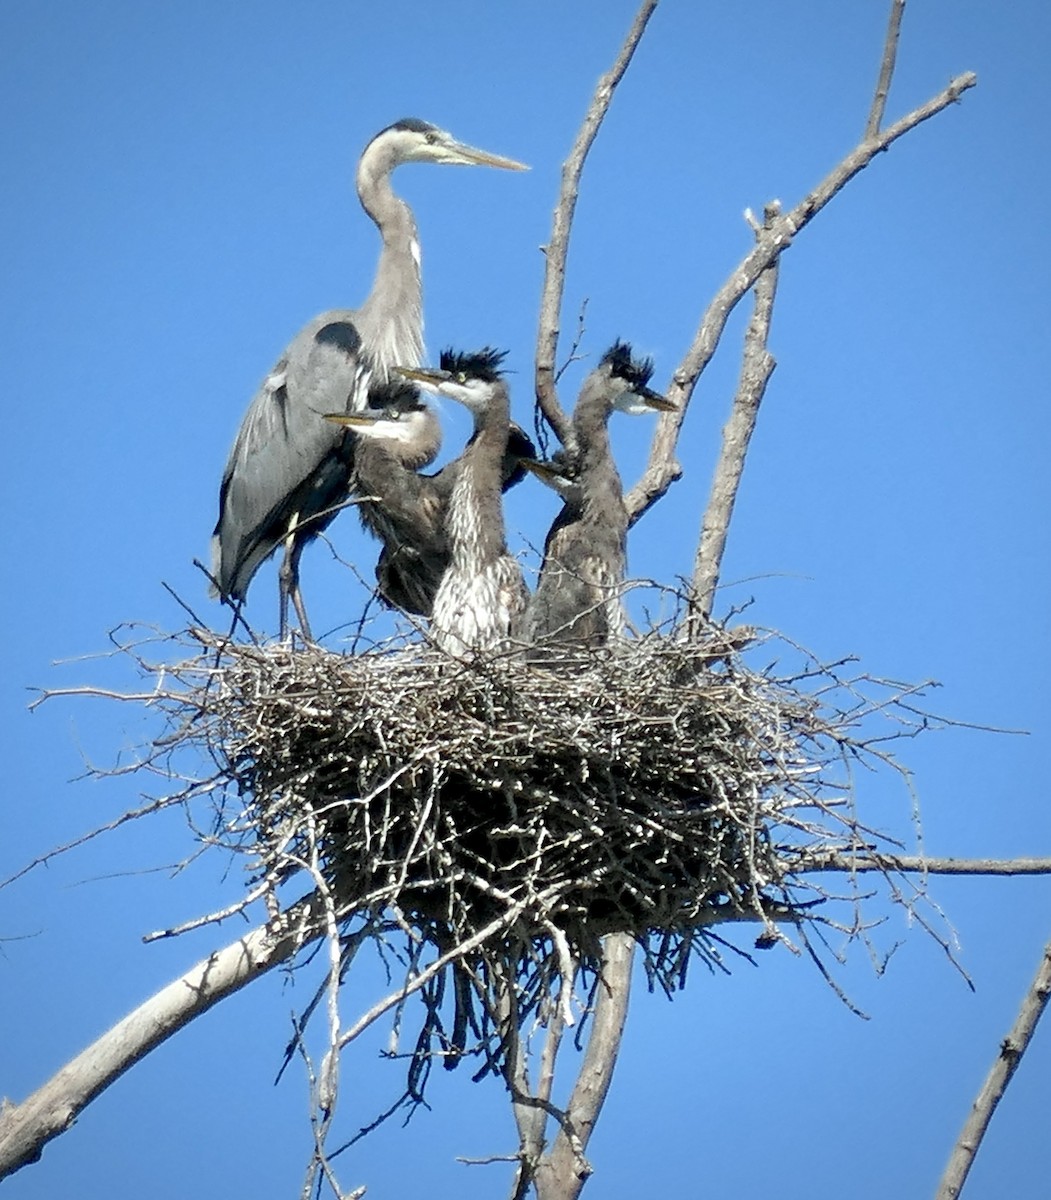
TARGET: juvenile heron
(289,467)
(482,594)
(577,599)
(405,510)
(409,571)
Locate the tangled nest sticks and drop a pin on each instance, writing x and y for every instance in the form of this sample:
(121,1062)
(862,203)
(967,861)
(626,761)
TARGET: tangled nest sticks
(503,816)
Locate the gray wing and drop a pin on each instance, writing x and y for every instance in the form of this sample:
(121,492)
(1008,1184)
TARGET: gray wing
(288,464)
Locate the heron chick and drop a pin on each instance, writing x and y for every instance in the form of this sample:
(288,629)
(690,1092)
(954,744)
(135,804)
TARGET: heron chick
(482,595)
(397,435)
(578,597)
(289,468)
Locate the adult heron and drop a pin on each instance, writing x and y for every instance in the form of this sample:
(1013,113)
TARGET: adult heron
(289,467)
(578,596)
(481,595)
(407,511)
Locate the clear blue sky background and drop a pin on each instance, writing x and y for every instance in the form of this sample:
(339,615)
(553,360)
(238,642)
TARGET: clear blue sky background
(178,199)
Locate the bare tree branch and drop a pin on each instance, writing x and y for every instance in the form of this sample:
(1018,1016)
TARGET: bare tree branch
(1010,1055)
(27,1127)
(557,249)
(886,70)
(459,951)
(908,863)
(757,365)
(662,469)
(562,1173)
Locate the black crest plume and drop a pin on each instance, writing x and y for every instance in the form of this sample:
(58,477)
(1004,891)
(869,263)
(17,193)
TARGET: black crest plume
(634,371)
(396,396)
(411,125)
(475,364)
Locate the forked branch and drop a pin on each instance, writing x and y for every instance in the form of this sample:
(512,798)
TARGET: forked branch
(663,469)
(557,249)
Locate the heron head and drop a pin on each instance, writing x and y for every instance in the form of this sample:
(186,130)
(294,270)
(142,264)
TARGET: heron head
(629,380)
(396,414)
(472,379)
(413,140)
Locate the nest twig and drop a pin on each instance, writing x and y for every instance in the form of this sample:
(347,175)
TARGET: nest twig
(490,822)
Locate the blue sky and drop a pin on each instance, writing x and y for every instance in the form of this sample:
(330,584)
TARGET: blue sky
(178,200)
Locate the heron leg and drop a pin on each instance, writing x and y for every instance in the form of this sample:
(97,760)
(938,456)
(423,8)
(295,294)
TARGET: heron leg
(300,607)
(288,582)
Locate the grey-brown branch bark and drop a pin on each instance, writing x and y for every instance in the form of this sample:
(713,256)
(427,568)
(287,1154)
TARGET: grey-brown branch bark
(1010,1054)
(27,1127)
(662,469)
(562,1173)
(886,69)
(557,249)
(757,365)
(913,864)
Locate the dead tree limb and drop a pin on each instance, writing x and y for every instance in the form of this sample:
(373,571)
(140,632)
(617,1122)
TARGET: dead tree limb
(1010,1055)
(557,249)
(757,365)
(886,69)
(919,864)
(562,1173)
(663,469)
(27,1127)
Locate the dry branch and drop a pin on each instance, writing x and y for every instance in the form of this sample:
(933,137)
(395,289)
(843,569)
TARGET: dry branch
(907,864)
(662,469)
(557,248)
(757,365)
(563,1172)
(1010,1055)
(27,1127)
(886,69)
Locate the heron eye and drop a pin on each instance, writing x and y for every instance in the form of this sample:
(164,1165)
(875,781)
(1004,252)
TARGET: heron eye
(431,138)
(461,377)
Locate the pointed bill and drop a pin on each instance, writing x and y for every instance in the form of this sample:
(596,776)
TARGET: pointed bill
(432,377)
(483,158)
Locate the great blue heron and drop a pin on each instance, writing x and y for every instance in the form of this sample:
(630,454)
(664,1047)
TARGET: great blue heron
(578,596)
(406,510)
(289,466)
(482,594)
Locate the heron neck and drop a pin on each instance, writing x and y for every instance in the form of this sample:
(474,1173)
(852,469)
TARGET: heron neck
(602,493)
(389,491)
(476,522)
(391,319)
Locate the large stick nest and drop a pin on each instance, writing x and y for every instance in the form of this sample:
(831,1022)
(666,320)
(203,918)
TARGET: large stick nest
(487,822)
(656,789)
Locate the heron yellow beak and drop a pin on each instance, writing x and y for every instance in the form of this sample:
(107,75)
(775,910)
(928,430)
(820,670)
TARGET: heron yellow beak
(354,420)
(471,155)
(546,471)
(425,375)
(656,401)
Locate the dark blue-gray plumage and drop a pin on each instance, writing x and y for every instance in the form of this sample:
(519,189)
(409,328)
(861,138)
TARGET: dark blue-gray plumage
(289,469)
(405,510)
(481,594)
(578,596)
